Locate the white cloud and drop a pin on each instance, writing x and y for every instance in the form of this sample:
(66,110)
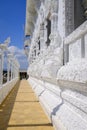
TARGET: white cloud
(20,55)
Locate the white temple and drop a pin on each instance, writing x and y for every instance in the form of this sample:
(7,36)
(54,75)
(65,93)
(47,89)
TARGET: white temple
(56,46)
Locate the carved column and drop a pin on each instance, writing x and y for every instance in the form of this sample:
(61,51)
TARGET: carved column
(69,16)
(14,70)
(54,27)
(11,70)
(45,32)
(8,70)
(1,70)
(14,74)
(32,54)
(54,22)
(2,64)
(42,37)
(69,25)
(37,48)
(17,72)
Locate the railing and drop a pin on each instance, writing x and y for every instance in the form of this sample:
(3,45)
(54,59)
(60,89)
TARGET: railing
(76,43)
(73,75)
(9,70)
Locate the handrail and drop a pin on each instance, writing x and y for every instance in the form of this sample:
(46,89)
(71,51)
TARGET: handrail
(76,34)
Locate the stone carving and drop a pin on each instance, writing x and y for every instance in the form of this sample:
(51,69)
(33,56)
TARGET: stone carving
(54,6)
(41,15)
(69,16)
(60,86)
(74,71)
(53,62)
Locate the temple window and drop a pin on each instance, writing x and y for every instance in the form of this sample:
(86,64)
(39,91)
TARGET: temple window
(48,31)
(75,13)
(35,50)
(39,46)
(79,12)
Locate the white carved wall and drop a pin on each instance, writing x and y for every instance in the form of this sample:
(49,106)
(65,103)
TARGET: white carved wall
(58,74)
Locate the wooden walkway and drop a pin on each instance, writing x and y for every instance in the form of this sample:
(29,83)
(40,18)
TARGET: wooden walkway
(22,111)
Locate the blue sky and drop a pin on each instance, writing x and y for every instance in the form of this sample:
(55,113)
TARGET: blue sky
(12,21)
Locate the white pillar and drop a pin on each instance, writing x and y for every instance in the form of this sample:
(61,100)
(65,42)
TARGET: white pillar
(11,71)
(1,71)
(14,71)
(8,71)
(45,33)
(54,29)
(42,37)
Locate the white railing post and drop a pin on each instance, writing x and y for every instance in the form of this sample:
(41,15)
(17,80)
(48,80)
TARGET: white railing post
(8,71)
(1,71)
(11,71)
(3,48)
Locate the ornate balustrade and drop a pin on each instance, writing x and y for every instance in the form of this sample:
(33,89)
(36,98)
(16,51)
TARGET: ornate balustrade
(11,75)
(74,73)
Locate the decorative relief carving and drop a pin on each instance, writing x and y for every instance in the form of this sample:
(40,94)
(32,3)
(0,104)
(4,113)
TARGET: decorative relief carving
(54,22)
(69,16)
(54,6)
(48,5)
(42,31)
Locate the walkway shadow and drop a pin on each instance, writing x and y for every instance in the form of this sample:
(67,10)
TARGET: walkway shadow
(7,106)
(31,125)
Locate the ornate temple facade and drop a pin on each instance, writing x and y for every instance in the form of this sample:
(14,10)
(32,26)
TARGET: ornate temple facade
(56,46)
